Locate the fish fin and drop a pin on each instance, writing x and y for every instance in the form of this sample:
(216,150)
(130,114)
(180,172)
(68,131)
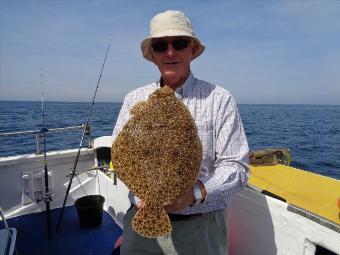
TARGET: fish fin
(151,221)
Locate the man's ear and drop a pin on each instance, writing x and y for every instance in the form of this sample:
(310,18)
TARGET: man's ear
(152,56)
(194,48)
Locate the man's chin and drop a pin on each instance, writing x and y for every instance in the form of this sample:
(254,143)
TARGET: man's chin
(170,75)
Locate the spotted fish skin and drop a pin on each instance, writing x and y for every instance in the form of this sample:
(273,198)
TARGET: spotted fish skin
(151,221)
(157,155)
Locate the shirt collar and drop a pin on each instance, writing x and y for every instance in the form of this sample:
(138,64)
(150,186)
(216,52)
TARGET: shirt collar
(185,88)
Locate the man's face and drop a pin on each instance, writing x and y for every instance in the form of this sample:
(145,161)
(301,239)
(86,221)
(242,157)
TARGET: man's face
(172,55)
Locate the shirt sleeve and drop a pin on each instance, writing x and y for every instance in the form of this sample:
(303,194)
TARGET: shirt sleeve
(231,156)
(123,117)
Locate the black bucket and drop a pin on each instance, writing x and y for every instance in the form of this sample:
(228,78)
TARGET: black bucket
(90,210)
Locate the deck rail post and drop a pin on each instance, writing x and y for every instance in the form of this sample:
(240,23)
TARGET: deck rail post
(37,141)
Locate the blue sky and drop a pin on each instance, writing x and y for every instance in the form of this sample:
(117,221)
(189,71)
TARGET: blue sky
(285,52)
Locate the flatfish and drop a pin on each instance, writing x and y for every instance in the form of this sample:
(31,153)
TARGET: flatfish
(157,155)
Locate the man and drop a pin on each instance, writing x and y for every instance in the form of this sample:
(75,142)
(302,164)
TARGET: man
(198,217)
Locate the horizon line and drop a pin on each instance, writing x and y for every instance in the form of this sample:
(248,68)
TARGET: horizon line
(120,102)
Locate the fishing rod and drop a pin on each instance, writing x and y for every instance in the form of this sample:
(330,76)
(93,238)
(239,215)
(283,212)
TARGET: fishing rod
(47,197)
(73,172)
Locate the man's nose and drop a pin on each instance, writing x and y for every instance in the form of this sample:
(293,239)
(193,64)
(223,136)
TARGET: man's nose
(170,51)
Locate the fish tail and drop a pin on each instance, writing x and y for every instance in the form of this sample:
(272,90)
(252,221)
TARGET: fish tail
(151,221)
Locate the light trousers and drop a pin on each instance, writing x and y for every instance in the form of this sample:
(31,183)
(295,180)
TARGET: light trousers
(206,234)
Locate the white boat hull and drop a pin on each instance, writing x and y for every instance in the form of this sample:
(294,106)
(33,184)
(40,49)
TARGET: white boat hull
(260,224)
(257,224)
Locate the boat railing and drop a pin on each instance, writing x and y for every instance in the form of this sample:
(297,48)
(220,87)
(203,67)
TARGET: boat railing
(37,133)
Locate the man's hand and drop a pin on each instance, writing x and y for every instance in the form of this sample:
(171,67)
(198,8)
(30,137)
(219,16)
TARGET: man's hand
(182,202)
(140,204)
(186,200)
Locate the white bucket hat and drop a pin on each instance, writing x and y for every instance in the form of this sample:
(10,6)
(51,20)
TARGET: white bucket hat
(170,23)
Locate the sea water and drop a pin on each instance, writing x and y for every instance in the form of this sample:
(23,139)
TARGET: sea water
(311,132)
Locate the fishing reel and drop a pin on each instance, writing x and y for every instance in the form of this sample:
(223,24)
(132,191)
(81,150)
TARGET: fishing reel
(71,173)
(48,197)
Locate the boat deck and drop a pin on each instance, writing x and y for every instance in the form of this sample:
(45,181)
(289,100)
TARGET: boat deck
(70,239)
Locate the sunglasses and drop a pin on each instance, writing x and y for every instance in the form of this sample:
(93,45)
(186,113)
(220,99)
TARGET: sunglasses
(162,46)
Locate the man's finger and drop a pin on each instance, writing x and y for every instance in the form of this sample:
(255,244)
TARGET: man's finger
(140,204)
